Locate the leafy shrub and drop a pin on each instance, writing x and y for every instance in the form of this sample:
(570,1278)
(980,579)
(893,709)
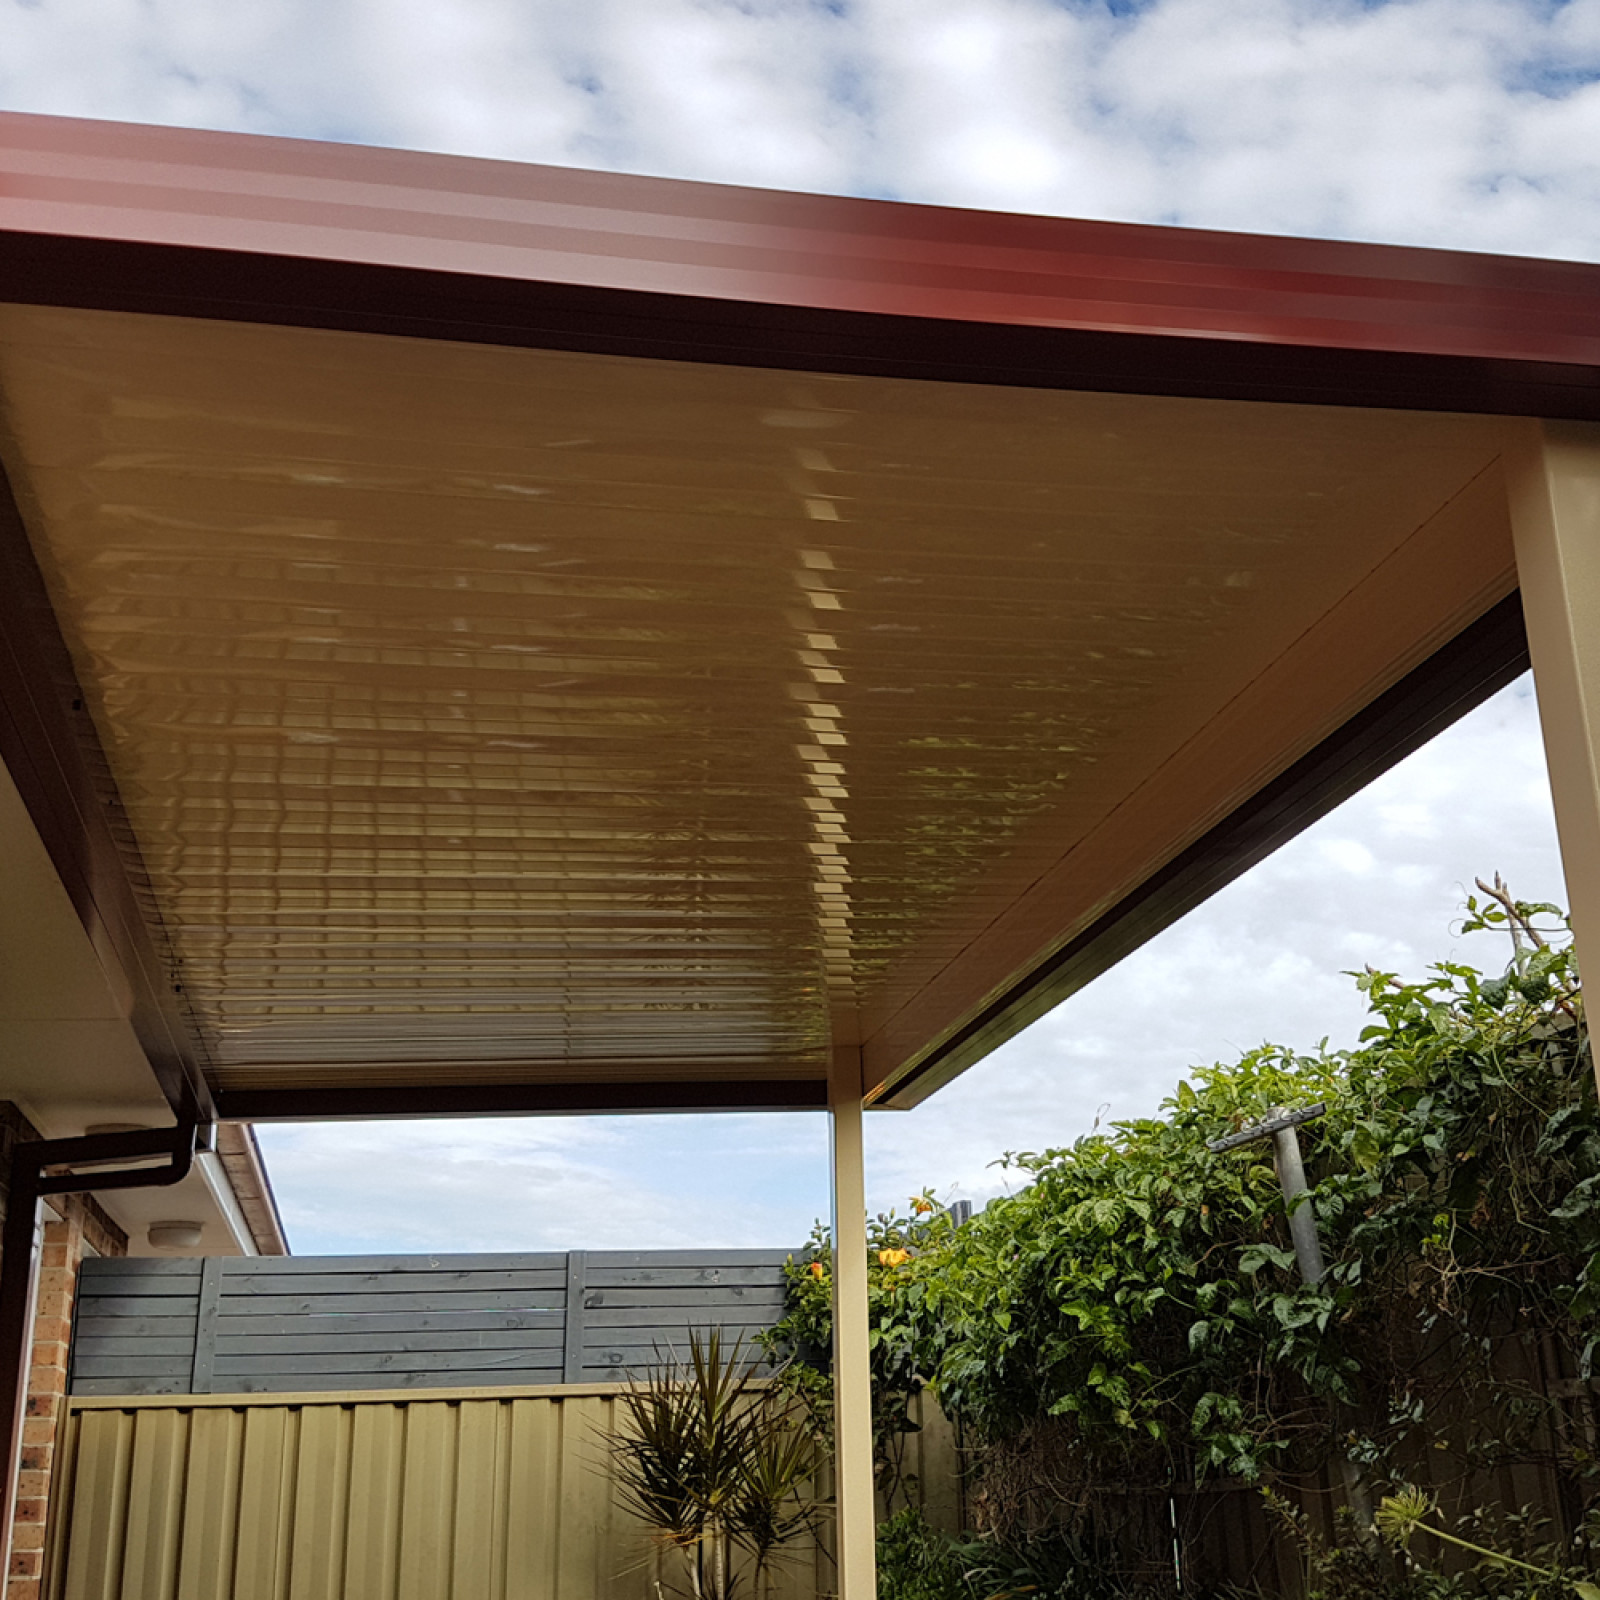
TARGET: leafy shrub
(915,1562)
(1134,1315)
(899,1251)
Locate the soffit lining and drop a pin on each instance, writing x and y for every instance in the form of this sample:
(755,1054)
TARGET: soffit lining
(485,715)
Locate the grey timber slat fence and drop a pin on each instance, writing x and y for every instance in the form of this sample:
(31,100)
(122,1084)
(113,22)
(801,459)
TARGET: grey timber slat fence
(282,1324)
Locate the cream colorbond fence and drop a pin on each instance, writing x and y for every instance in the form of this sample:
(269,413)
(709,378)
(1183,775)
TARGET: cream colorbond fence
(442,1495)
(459,1494)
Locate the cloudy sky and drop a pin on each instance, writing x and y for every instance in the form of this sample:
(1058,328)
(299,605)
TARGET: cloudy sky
(1464,122)
(1468,123)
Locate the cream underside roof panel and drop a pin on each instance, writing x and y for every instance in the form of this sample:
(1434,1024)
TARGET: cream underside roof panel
(488,715)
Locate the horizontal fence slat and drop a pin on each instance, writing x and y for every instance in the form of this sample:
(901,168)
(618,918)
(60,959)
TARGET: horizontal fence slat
(286,1346)
(489,1261)
(97,1346)
(419,1300)
(385,1361)
(679,1277)
(135,1367)
(634,1346)
(631,1372)
(341,1382)
(381,1285)
(134,1305)
(135,1327)
(182,1272)
(131,1385)
(620,1338)
(337,1326)
(711,1305)
(173,1290)
(698,1259)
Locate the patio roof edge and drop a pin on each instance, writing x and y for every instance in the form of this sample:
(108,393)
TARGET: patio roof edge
(50,747)
(1486,656)
(521,1099)
(255,229)
(237,286)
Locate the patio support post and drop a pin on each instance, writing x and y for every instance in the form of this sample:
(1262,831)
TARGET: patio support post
(1554,492)
(852,1385)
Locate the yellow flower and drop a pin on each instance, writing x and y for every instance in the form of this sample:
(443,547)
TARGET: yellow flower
(818,1270)
(893,1258)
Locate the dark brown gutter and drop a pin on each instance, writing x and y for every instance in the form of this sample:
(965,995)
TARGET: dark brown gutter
(246,1172)
(522,1099)
(43,1167)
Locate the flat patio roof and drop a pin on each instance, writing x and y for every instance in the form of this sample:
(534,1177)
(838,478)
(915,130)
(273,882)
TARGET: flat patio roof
(491,638)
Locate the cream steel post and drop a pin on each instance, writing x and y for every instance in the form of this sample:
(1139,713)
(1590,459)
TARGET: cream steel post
(852,1383)
(1553,484)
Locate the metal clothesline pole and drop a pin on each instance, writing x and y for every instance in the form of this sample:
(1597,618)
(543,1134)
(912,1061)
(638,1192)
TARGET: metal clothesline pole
(1282,1127)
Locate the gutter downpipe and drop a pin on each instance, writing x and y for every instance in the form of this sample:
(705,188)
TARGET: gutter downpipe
(19,1254)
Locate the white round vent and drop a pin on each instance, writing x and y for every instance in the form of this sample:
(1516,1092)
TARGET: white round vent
(174,1235)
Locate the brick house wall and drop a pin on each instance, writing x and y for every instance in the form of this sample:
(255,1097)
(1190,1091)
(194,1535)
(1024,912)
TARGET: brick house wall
(83,1228)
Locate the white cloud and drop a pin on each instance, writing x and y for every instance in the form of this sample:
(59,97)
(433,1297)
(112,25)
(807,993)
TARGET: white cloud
(1474,123)
(558,1183)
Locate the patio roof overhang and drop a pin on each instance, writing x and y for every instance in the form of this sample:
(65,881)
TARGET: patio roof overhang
(494,638)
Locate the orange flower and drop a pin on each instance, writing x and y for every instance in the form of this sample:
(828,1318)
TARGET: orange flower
(921,1206)
(818,1270)
(893,1258)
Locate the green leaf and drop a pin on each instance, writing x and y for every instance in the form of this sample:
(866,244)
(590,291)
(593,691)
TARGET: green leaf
(1496,991)
(1258,1256)
(1364,1146)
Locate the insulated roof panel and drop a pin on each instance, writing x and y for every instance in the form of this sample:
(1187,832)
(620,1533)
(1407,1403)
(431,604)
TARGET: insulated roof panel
(491,715)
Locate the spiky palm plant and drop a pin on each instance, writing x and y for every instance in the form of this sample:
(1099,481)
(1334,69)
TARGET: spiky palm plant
(716,1463)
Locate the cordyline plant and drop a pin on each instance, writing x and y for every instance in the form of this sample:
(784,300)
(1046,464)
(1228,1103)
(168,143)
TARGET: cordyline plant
(719,1464)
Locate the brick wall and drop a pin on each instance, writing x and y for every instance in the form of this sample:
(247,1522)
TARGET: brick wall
(83,1225)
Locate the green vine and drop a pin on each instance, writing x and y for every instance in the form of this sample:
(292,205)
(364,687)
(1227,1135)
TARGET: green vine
(1134,1314)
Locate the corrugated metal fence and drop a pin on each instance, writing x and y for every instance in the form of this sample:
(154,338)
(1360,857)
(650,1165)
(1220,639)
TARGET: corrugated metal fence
(426,1497)
(262,1325)
(446,1495)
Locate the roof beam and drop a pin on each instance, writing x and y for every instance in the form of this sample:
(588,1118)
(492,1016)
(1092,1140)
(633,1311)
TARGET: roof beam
(521,1099)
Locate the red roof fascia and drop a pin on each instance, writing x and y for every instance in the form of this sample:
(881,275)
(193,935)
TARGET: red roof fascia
(615,241)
